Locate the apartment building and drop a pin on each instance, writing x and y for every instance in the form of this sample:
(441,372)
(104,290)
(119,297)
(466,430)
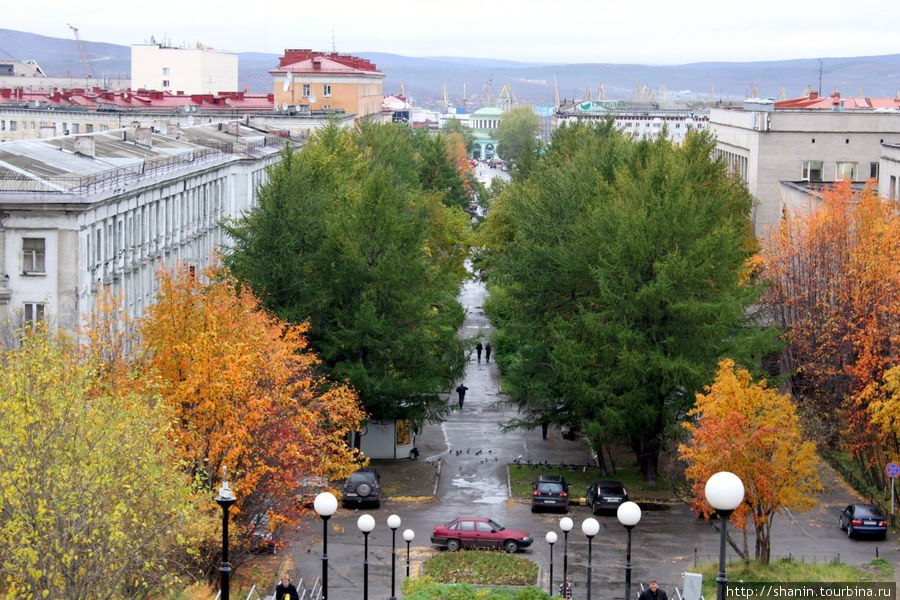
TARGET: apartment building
(638,120)
(199,70)
(809,139)
(312,81)
(108,209)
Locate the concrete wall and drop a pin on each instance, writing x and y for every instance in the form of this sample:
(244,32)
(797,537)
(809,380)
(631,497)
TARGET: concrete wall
(889,180)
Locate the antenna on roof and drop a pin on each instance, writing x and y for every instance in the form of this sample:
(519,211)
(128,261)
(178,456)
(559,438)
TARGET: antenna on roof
(333,47)
(820,78)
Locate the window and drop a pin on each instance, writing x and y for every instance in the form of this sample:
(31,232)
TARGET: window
(104,128)
(166,70)
(326,107)
(166,83)
(12,125)
(845,170)
(34,312)
(467,526)
(32,255)
(306,90)
(873,171)
(812,170)
(76,127)
(892,188)
(326,90)
(89,128)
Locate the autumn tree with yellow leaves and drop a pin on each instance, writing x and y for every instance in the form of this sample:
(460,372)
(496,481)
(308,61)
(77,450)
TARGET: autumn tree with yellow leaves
(755,433)
(245,392)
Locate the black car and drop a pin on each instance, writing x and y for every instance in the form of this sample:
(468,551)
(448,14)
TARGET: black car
(549,491)
(605,495)
(863,519)
(363,485)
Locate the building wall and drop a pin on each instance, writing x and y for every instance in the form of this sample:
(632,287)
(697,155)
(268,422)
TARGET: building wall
(889,181)
(357,94)
(190,70)
(773,147)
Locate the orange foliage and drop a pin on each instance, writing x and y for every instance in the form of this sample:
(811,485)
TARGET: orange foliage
(755,433)
(245,392)
(456,151)
(836,291)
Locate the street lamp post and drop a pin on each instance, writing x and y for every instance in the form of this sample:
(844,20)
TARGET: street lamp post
(628,514)
(408,535)
(589,527)
(366,524)
(551,539)
(724,492)
(393,522)
(325,504)
(566,524)
(225,499)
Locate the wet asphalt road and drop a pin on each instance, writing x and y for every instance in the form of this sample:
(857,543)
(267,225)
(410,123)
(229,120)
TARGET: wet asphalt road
(474,452)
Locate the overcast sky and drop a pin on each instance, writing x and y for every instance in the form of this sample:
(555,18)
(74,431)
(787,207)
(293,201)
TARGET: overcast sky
(648,32)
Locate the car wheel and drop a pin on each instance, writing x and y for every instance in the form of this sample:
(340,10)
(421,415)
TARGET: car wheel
(841,523)
(510,546)
(533,508)
(363,489)
(594,509)
(849,530)
(378,504)
(452,545)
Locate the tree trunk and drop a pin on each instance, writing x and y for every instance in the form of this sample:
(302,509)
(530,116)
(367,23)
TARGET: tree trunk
(649,460)
(601,463)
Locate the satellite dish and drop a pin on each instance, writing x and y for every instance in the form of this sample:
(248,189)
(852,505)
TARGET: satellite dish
(284,106)
(312,98)
(287,81)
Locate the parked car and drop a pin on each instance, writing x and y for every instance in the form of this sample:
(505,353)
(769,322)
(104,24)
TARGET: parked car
(863,519)
(363,485)
(549,491)
(479,532)
(605,495)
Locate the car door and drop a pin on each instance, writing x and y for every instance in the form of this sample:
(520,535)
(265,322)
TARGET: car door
(466,532)
(485,535)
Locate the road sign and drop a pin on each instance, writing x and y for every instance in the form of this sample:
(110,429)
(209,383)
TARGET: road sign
(892,470)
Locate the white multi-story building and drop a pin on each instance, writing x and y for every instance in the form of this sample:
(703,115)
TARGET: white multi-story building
(766,143)
(638,121)
(198,70)
(108,209)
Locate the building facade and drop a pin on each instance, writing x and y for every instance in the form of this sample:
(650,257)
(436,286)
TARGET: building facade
(639,121)
(198,70)
(765,144)
(307,81)
(81,213)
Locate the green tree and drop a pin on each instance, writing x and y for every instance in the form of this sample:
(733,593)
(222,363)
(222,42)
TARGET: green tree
(516,134)
(451,126)
(342,238)
(92,502)
(618,278)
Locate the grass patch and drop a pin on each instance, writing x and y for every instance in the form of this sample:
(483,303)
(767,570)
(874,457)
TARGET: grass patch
(480,568)
(579,478)
(425,588)
(787,570)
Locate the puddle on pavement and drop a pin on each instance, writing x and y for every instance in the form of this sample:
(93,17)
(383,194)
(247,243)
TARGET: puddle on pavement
(488,489)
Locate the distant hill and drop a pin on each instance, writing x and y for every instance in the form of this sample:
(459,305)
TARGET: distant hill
(423,78)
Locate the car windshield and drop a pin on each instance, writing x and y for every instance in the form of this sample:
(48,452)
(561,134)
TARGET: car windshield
(496,526)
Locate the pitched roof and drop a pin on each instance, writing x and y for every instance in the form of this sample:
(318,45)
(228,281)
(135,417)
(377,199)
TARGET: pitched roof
(307,61)
(814,102)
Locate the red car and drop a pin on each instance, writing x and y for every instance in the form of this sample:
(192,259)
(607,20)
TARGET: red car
(479,532)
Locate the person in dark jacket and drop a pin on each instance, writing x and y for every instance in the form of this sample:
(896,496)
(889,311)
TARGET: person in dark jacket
(565,588)
(478,349)
(286,590)
(487,352)
(653,592)
(461,390)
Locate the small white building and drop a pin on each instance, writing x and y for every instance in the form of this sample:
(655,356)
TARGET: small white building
(198,70)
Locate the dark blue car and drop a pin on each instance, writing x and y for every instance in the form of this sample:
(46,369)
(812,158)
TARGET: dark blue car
(863,519)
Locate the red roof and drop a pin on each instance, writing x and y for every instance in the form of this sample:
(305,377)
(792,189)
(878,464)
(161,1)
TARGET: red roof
(814,102)
(308,61)
(140,99)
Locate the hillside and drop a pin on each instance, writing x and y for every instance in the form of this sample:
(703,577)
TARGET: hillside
(424,77)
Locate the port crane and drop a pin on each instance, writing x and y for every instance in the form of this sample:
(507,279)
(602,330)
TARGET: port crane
(84,60)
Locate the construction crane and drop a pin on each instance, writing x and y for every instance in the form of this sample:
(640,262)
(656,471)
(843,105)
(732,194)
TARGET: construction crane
(556,90)
(507,97)
(84,60)
(445,102)
(487,93)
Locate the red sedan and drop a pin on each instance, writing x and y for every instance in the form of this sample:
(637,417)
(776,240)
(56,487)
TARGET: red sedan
(479,532)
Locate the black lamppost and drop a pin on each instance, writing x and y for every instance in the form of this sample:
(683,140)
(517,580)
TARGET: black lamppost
(589,527)
(408,535)
(225,499)
(724,492)
(628,514)
(325,505)
(393,522)
(366,524)
(551,539)
(566,524)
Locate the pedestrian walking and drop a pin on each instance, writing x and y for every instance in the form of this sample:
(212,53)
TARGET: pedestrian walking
(286,590)
(478,349)
(653,592)
(565,588)
(487,352)
(461,390)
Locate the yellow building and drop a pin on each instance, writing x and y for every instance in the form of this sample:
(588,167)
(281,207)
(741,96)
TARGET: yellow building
(315,81)
(198,70)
